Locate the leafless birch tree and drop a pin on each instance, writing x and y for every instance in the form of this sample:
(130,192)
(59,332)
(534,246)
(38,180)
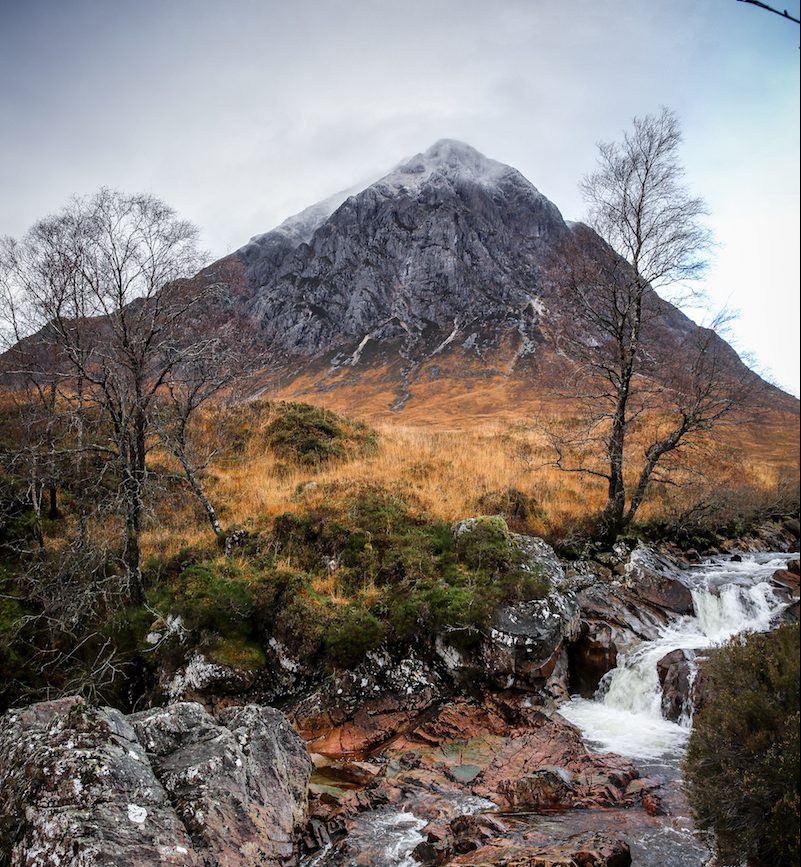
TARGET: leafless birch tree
(639,359)
(103,289)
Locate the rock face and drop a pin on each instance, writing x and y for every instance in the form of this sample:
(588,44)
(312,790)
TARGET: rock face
(89,786)
(527,647)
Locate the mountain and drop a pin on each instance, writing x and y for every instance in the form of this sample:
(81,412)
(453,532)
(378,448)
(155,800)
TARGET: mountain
(423,294)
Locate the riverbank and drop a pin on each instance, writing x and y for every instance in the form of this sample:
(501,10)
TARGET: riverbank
(547,740)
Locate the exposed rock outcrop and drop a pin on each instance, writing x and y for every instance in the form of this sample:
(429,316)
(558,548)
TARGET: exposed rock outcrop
(586,850)
(655,578)
(90,786)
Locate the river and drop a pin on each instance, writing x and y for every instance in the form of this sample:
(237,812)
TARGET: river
(624,717)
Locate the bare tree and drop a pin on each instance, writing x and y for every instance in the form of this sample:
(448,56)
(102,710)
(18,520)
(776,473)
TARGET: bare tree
(640,361)
(199,379)
(103,286)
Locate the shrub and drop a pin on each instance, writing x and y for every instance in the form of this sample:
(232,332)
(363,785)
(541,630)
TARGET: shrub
(515,506)
(742,764)
(352,632)
(486,544)
(14,646)
(214,596)
(300,625)
(310,436)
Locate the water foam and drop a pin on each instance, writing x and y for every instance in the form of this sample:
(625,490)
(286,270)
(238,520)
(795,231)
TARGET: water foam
(625,716)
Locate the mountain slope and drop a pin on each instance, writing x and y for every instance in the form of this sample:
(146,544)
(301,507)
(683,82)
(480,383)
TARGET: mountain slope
(425,293)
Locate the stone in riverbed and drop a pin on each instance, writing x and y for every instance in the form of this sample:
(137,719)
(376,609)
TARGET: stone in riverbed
(654,578)
(543,791)
(586,850)
(675,676)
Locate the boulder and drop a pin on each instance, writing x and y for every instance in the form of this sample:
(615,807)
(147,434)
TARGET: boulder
(789,580)
(676,671)
(356,711)
(527,644)
(584,850)
(168,786)
(542,791)
(238,783)
(76,786)
(656,578)
(526,648)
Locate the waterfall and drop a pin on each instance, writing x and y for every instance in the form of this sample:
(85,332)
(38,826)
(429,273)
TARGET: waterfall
(625,716)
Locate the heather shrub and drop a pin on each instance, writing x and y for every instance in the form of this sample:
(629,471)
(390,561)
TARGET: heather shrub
(742,766)
(352,633)
(310,436)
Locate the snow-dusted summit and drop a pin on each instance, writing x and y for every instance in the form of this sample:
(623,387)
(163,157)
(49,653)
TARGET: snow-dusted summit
(449,159)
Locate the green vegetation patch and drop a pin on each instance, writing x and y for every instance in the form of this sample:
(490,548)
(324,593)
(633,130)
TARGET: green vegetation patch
(742,764)
(404,572)
(311,437)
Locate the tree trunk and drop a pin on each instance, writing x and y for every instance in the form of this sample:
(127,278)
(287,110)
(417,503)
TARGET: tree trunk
(52,498)
(211,512)
(134,483)
(612,518)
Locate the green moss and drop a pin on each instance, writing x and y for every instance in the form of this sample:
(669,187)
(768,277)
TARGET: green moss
(301,624)
(350,634)
(238,653)
(402,573)
(486,544)
(214,595)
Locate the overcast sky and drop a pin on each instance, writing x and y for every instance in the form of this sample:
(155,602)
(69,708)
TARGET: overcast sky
(240,113)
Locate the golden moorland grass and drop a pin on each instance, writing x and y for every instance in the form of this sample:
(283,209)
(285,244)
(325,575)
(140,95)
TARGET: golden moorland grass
(457,473)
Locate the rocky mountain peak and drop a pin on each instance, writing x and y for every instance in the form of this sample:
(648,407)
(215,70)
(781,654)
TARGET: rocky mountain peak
(449,158)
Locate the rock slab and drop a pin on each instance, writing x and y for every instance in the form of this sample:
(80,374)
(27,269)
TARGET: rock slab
(83,785)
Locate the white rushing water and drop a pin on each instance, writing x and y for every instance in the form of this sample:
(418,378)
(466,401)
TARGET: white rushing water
(625,716)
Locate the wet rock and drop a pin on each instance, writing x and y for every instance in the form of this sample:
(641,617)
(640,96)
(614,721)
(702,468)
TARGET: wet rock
(586,850)
(675,675)
(463,834)
(526,646)
(592,656)
(769,536)
(655,578)
(788,580)
(794,566)
(169,786)
(356,711)
(543,791)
